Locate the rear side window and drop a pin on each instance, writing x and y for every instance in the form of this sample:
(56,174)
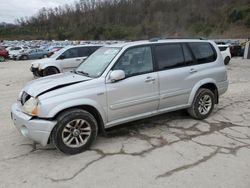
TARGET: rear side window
(187,55)
(203,52)
(169,56)
(222,48)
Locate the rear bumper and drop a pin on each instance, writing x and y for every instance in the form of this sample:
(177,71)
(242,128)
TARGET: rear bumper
(37,130)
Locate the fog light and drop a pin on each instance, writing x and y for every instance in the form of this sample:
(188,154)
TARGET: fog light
(24,131)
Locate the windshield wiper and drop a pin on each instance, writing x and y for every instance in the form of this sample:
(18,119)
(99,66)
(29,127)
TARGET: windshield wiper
(82,73)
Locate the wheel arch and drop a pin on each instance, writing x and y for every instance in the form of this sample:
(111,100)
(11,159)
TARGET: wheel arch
(44,66)
(92,110)
(208,84)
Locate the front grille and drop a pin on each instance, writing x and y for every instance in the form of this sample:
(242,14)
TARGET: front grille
(25,96)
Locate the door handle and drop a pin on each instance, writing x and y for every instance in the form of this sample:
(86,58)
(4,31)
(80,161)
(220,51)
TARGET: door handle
(193,71)
(149,79)
(78,59)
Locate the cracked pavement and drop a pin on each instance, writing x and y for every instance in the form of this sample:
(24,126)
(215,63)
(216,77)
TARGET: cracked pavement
(170,150)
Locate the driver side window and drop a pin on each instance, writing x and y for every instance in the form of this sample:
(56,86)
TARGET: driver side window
(135,61)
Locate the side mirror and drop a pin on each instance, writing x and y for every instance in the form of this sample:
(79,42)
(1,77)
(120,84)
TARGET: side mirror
(117,75)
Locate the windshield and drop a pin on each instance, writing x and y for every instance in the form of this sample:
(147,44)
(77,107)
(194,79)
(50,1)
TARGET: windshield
(95,65)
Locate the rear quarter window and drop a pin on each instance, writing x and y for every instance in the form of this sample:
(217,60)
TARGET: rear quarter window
(204,52)
(222,49)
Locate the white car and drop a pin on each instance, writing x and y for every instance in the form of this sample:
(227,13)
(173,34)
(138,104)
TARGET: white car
(226,54)
(64,60)
(13,51)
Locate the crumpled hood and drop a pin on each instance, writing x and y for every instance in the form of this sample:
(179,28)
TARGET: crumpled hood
(43,85)
(36,63)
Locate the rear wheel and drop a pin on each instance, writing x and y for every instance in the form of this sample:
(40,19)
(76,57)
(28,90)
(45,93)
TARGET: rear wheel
(75,131)
(227,60)
(50,71)
(203,104)
(45,56)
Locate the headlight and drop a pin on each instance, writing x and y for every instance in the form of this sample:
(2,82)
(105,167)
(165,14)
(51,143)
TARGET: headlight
(39,66)
(31,106)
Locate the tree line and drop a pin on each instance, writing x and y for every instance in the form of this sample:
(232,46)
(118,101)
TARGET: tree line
(134,19)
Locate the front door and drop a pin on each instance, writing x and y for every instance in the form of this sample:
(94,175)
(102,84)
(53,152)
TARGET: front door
(137,94)
(71,59)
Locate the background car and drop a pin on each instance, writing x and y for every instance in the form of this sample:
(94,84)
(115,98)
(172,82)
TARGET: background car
(13,51)
(226,54)
(31,54)
(63,60)
(3,54)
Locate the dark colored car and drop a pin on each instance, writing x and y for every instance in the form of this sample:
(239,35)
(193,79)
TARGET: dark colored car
(3,54)
(235,50)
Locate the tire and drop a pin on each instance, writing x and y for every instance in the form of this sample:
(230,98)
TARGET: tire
(50,71)
(68,130)
(24,57)
(203,110)
(227,60)
(45,56)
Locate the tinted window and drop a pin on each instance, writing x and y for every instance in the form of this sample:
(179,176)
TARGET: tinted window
(71,53)
(93,49)
(16,48)
(135,61)
(187,55)
(203,52)
(222,48)
(83,52)
(169,56)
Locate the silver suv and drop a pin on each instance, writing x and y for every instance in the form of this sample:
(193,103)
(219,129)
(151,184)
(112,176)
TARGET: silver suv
(118,84)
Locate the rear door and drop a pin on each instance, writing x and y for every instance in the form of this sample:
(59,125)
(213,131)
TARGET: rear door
(174,86)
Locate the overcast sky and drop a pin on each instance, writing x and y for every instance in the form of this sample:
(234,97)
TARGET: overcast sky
(12,9)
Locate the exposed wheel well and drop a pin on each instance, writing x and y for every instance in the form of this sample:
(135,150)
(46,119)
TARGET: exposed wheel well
(52,67)
(212,87)
(92,110)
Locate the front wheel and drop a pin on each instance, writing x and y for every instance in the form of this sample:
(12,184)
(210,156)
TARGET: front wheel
(75,131)
(50,71)
(203,104)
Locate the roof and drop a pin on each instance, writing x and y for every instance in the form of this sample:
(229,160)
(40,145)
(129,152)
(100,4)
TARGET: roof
(155,41)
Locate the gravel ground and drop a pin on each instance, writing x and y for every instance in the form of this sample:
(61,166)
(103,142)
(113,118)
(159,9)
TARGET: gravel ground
(171,150)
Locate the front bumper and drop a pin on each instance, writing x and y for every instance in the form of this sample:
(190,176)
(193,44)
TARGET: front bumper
(37,130)
(36,72)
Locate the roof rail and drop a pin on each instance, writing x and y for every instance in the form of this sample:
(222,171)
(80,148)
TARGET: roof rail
(198,38)
(154,39)
(159,38)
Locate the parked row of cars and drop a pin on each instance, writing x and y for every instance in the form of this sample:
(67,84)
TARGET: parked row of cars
(24,50)
(70,109)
